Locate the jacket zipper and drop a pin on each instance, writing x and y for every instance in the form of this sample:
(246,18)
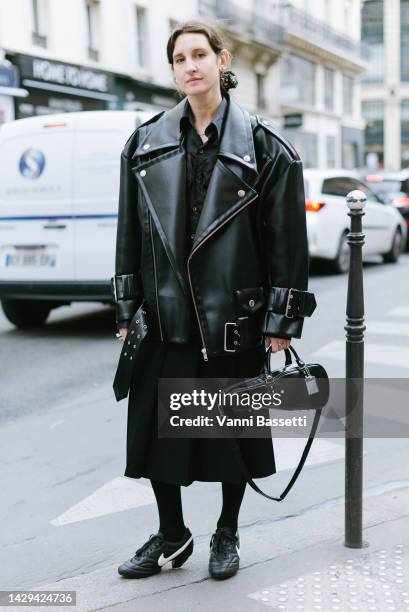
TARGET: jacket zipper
(155,279)
(204,349)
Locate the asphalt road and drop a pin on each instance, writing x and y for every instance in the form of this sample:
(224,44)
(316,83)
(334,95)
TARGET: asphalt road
(66,509)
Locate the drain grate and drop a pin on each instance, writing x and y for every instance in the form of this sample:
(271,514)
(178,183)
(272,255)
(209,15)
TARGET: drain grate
(374,581)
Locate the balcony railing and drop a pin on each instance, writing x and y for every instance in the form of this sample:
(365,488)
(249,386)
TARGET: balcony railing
(248,24)
(301,23)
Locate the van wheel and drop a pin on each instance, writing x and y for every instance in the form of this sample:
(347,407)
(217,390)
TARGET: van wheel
(26,313)
(392,255)
(340,265)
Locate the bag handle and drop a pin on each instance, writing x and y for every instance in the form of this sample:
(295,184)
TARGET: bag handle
(236,447)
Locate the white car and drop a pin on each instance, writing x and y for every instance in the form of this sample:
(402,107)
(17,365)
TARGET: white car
(59,182)
(328,222)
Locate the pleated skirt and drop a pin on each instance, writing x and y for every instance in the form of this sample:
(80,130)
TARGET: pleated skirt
(185,460)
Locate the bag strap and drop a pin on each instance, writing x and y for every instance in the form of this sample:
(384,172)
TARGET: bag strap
(237,452)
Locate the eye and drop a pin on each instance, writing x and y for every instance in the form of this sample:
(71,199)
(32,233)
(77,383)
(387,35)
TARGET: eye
(179,60)
(201,54)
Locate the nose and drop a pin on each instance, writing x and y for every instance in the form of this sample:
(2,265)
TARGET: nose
(190,65)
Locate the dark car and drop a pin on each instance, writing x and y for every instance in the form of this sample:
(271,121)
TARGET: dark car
(393,188)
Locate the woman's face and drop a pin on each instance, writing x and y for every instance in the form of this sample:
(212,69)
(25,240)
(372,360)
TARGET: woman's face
(196,66)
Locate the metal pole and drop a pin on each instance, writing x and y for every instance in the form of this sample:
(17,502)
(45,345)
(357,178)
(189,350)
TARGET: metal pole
(354,375)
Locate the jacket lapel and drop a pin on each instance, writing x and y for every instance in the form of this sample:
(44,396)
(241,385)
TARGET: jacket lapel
(163,181)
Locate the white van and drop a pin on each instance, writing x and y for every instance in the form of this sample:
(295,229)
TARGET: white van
(59,182)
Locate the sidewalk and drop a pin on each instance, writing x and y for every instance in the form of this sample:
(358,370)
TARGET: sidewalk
(287,564)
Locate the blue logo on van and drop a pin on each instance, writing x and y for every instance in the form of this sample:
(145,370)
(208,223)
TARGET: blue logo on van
(32,163)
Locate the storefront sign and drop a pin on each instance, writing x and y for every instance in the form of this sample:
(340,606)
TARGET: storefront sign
(69,75)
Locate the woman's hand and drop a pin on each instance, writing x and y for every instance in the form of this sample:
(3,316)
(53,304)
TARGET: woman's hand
(123,331)
(277,344)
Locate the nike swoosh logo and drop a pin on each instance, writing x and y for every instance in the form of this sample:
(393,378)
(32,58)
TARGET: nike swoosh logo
(162,559)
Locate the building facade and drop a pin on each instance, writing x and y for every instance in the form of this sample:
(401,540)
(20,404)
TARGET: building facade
(298,62)
(385,87)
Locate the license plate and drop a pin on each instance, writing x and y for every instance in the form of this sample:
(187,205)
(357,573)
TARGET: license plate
(27,258)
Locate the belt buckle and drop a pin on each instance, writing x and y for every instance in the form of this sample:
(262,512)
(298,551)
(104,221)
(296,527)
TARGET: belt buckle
(289,305)
(228,350)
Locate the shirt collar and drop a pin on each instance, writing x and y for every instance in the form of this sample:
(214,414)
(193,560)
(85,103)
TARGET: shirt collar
(187,117)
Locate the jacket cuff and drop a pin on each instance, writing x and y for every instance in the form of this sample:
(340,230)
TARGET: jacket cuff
(125,287)
(286,309)
(125,310)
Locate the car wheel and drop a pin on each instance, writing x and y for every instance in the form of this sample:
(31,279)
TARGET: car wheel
(392,255)
(340,264)
(26,313)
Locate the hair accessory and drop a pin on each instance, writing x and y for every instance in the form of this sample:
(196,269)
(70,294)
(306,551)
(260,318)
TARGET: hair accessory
(228,79)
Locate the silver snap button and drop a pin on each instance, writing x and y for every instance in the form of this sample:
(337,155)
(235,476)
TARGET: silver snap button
(241,193)
(143,173)
(125,354)
(132,332)
(265,122)
(138,335)
(146,146)
(252,303)
(247,158)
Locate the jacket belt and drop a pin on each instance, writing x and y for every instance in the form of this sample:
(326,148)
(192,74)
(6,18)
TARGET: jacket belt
(291,302)
(137,332)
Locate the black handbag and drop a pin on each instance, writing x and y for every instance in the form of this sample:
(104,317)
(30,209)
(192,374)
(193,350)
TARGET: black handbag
(311,392)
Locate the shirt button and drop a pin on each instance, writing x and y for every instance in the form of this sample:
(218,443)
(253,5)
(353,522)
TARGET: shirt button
(241,193)
(247,158)
(192,236)
(146,146)
(252,303)
(143,172)
(194,208)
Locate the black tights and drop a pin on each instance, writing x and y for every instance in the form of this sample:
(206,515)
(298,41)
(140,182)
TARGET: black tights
(169,500)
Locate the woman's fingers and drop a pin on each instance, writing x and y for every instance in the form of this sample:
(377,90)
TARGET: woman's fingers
(277,344)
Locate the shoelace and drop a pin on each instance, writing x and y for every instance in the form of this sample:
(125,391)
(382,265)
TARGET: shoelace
(154,542)
(221,538)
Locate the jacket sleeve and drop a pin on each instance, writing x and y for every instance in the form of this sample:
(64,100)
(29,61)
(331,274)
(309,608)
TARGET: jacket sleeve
(286,250)
(126,285)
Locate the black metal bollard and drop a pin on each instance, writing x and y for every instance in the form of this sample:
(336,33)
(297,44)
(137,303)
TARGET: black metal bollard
(354,376)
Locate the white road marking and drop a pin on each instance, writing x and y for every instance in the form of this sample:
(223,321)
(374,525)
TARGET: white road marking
(60,422)
(388,328)
(385,354)
(287,452)
(115,496)
(400,311)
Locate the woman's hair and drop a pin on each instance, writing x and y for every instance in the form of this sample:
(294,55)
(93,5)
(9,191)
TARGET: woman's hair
(228,79)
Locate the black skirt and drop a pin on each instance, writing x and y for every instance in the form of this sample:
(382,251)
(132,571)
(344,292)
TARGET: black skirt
(184,460)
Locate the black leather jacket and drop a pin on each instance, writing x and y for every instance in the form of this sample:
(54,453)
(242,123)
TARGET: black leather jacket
(250,247)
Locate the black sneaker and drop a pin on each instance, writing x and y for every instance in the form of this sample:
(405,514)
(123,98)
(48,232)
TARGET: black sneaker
(224,558)
(155,553)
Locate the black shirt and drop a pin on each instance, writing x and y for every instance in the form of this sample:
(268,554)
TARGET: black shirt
(200,160)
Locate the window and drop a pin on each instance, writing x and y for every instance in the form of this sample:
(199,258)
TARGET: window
(141,36)
(93,23)
(329,88)
(404,40)
(338,186)
(347,94)
(261,100)
(372,35)
(297,80)
(39,13)
(331,143)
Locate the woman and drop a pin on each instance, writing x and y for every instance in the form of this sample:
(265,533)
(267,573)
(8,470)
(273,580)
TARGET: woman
(212,236)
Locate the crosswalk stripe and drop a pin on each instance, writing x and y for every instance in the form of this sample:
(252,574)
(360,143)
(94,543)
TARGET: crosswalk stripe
(387,328)
(287,452)
(399,311)
(385,354)
(115,496)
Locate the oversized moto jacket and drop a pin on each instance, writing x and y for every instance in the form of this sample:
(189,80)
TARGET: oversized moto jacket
(247,269)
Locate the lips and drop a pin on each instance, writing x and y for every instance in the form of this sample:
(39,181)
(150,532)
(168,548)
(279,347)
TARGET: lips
(193,80)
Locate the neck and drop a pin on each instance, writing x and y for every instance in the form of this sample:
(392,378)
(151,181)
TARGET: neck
(205,106)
